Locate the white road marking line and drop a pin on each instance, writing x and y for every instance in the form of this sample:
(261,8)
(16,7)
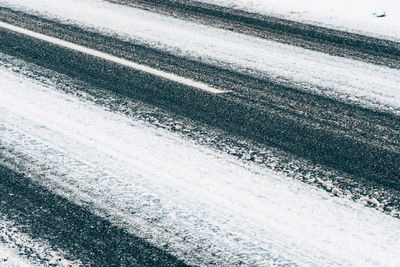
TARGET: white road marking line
(118,60)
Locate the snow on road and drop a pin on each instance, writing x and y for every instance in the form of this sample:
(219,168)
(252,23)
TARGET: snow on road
(19,250)
(203,205)
(9,258)
(379,18)
(349,80)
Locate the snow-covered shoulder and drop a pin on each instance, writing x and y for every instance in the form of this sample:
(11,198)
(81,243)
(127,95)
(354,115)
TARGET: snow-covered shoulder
(377,18)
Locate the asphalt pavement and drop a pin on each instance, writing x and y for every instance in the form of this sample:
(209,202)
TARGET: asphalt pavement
(359,142)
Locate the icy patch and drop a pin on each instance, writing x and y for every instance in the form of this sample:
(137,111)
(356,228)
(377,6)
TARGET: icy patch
(201,205)
(366,84)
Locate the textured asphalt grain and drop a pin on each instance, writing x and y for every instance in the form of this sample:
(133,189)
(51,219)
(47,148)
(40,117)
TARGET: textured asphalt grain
(361,142)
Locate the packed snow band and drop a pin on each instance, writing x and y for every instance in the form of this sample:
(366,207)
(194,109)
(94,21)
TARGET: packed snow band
(109,57)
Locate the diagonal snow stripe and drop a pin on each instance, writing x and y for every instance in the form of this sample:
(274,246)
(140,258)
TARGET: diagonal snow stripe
(109,57)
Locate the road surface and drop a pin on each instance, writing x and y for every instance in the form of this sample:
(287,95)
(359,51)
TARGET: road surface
(122,153)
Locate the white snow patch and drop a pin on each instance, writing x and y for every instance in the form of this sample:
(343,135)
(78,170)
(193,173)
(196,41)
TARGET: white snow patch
(350,80)
(205,206)
(377,18)
(10,258)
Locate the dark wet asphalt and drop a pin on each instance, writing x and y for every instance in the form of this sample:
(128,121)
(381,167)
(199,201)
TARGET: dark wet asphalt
(360,142)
